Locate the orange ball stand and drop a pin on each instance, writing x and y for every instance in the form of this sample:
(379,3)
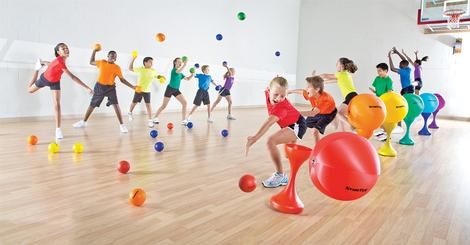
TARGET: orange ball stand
(287,201)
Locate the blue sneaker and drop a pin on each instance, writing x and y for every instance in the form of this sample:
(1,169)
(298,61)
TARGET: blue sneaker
(276,180)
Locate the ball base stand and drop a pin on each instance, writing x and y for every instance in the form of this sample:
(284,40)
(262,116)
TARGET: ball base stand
(424,131)
(434,124)
(407,140)
(287,201)
(387,149)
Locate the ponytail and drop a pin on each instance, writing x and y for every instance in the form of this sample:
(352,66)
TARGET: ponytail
(348,65)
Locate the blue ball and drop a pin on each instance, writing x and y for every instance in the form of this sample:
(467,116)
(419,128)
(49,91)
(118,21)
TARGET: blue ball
(224,132)
(159,146)
(430,102)
(218,87)
(277,53)
(189,125)
(219,37)
(196,65)
(154,133)
(224,63)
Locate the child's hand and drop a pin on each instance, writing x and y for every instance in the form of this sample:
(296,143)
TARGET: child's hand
(90,91)
(394,49)
(314,72)
(372,89)
(416,52)
(250,141)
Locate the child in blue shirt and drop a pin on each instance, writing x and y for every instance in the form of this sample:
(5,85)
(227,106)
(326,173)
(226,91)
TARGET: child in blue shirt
(202,95)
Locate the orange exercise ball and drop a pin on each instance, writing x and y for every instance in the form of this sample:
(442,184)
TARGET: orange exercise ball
(366,112)
(137,197)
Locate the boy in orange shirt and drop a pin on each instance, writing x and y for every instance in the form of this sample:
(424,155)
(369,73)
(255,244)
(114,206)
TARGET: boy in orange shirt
(105,87)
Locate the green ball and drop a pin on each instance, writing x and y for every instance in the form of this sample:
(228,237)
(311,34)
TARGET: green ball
(415,106)
(184,58)
(192,70)
(241,16)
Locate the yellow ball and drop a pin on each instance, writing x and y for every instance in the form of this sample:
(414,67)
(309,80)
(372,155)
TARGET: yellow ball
(396,105)
(77,148)
(53,147)
(162,79)
(134,53)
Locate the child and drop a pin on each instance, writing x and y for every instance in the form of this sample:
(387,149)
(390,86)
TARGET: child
(202,95)
(344,67)
(288,118)
(173,89)
(381,85)
(323,106)
(225,91)
(105,87)
(146,75)
(417,65)
(51,78)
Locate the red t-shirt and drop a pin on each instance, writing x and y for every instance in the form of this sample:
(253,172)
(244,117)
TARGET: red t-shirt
(284,110)
(325,102)
(55,70)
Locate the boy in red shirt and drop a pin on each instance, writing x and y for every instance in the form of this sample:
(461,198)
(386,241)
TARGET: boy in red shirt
(323,106)
(292,124)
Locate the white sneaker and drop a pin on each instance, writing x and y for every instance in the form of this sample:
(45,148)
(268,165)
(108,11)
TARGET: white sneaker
(123,129)
(155,120)
(381,137)
(58,134)
(79,124)
(230,117)
(150,123)
(276,180)
(38,65)
(378,132)
(398,130)
(130,116)
(210,120)
(184,122)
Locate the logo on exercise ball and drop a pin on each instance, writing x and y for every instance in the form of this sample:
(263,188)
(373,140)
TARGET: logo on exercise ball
(356,189)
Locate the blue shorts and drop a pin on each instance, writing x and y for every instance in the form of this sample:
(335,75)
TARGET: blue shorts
(42,82)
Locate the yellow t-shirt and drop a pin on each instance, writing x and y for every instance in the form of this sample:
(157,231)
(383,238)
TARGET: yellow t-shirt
(146,76)
(108,72)
(345,83)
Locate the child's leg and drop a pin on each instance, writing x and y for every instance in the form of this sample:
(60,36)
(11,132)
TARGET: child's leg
(163,106)
(229,100)
(209,111)
(217,101)
(283,136)
(117,109)
(342,118)
(88,113)
(316,135)
(133,104)
(31,86)
(183,102)
(56,99)
(192,111)
(148,106)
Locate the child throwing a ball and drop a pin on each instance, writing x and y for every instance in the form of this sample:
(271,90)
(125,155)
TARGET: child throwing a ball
(224,92)
(289,119)
(202,95)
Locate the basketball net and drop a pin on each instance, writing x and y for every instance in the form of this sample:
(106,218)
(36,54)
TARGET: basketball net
(453,16)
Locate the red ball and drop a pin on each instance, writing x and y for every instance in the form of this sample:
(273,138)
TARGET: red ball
(169,125)
(247,183)
(32,140)
(123,167)
(346,176)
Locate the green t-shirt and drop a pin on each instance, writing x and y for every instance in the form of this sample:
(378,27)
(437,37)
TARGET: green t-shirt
(175,79)
(382,85)
(146,76)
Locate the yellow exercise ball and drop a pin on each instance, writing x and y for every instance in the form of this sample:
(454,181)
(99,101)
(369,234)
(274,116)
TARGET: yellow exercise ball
(396,105)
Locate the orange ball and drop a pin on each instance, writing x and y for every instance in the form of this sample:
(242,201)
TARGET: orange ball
(169,125)
(137,197)
(247,183)
(138,89)
(32,140)
(366,112)
(97,47)
(160,37)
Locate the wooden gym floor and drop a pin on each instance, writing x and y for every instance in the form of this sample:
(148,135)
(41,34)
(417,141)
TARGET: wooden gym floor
(422,196)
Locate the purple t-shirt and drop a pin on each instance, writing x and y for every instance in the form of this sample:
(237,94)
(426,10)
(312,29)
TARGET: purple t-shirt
(417,72)
(228,83)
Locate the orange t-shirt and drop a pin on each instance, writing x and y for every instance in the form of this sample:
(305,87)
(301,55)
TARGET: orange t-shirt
(325,102)
(108,72)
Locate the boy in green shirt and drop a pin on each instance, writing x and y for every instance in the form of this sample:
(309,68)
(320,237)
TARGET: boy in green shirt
(381,85)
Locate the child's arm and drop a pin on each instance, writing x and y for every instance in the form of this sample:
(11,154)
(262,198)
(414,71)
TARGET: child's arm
(128,84)
(416,55)
(228,69)
(372,89)
(392,67)
(182,67)
(311,113)
(407,57)
(131,65)
(78,81)
(92,58)
(212,81)
(328,78)
(399,54)
(189,78)
(264,128)
(295,91)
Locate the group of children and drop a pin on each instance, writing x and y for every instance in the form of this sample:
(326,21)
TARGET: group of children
(292,122)
(105,86)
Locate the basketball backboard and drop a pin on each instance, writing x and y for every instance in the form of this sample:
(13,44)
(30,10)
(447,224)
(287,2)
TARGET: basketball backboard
(431,15)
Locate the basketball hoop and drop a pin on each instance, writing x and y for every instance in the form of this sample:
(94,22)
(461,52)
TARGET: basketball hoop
(453,16)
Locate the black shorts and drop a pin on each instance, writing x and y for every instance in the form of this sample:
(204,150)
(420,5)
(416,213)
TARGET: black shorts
(42,82)
(349,97)
(320,121)
(201,96)
(299,128)
(171,92)
(407,90)
(224,92)
(138,97)
(420,84)
(100,91)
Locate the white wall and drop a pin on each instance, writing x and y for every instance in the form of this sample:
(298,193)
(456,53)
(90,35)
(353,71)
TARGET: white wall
(364,31)
(30,29)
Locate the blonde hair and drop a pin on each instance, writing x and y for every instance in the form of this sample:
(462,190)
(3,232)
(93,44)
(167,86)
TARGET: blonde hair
(204,67)
(279,81)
